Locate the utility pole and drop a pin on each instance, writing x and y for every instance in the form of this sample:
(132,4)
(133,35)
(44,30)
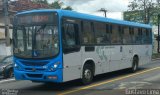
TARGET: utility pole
(158,32)
(145,12)
(6,15)
(103,10)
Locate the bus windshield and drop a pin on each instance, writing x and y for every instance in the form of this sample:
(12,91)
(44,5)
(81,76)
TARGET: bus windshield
(38,40)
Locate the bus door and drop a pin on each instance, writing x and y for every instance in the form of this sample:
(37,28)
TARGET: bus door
(127,48)
(127,56)
(116,48)
(116,57)
(71,50)
(102,50)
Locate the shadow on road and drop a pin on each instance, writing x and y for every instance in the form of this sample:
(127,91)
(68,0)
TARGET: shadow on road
(50,87)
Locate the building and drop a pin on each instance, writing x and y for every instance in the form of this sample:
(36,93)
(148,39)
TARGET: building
(14,6)
(21,5)
(5,50)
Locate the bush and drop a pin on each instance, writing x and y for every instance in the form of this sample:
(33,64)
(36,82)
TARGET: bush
(156,55)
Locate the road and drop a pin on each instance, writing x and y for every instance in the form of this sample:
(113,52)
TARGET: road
(114,83)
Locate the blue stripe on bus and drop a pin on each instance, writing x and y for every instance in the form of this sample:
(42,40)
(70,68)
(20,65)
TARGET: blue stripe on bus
(88,17)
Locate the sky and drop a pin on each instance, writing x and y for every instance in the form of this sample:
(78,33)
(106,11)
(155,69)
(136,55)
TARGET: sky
(114,7)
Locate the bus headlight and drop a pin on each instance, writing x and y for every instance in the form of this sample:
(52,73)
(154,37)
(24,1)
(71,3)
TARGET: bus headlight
(54,66)
(16,66)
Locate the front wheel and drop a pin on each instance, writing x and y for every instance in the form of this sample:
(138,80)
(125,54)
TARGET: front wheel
(87,75)
(11,73)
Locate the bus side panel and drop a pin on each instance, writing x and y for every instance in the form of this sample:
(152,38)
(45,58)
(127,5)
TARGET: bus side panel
(116,58)
(71,66)
(100,56)
(144,53)
(127,56)
(147,54)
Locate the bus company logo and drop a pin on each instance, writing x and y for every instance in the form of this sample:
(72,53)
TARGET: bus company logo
(101,53)
(33,69)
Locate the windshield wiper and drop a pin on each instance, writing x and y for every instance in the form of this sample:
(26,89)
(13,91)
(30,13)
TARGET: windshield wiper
(42,27)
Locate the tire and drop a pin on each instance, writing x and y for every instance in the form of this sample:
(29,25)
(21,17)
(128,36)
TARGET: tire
(87,75)
(134,67)
(11,73)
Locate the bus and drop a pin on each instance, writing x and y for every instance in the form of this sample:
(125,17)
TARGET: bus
(61,45)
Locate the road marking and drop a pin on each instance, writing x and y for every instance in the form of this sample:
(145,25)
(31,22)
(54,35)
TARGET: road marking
(109,81)
(7,80)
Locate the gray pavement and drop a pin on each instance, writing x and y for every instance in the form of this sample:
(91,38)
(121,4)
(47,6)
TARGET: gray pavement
(148,80)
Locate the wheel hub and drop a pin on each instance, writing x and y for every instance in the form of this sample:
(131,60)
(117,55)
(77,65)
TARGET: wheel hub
(87,74)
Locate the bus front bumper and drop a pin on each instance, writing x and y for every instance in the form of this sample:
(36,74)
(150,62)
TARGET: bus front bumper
(56,76)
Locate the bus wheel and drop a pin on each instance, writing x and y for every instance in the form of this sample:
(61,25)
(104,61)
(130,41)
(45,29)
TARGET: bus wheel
(11,73)
(87,74)
(134,65)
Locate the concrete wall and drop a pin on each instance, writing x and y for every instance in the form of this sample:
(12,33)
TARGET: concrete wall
(2,31)
(4,51)
(1,19)
(155,46)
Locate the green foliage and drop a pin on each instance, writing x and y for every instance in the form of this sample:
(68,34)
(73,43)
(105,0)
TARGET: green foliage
(55,5)
(144,11)
(68,8)
(156,55)
(40,1)
(58,5)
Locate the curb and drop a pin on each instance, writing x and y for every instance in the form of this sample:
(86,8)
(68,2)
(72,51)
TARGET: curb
(155,59)
(7,80)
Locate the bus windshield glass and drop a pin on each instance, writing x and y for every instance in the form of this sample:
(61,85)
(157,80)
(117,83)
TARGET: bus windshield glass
(36,36)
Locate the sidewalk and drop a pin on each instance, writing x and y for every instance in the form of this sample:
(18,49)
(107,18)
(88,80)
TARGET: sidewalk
(1,57)
(155,59)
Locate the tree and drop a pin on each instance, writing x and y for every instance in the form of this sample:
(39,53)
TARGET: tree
(40,1)
(58,5)
(144,11)
(68,8)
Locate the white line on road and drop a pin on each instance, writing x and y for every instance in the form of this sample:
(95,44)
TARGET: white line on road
(7,80)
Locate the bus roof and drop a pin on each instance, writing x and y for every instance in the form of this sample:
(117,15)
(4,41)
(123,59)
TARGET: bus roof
(75,14)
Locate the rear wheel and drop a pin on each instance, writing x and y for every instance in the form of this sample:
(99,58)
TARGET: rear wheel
(87,74)
(134,65)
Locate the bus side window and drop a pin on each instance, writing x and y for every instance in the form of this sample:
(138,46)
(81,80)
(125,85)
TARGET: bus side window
(127,39)
(137,36)
(146,36)
(87,33)
(101,33)
(144,39)
(150,36)
(115,35)
(70,37)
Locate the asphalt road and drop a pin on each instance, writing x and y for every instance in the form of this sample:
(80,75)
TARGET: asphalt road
(114,83)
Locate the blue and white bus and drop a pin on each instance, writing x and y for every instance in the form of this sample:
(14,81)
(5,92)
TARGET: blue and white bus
(60,45)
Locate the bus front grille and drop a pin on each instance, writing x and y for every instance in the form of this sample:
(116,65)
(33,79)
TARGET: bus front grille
(26,63)
(37,69)
(35,75)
